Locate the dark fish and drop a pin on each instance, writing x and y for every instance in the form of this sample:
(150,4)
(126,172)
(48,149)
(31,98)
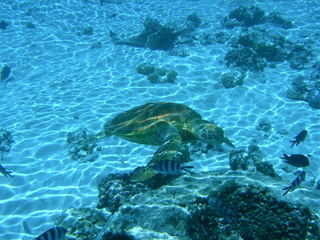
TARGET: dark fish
(170,167)
(5,172)
(5,73)
(112,34)
(221,209)
(56,233)
(299,179)
(3,25)
(299,138)
(297,160)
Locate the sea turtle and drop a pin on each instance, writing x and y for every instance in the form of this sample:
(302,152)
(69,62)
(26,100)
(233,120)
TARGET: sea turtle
(164,124)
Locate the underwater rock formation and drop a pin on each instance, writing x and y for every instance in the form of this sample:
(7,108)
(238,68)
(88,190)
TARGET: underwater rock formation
(193,22)
(238,160)
(252,51)
(245,58)
(278,20)
(116,189)
(251,16)
(313,98)
(6,141)
(247,16)
(256,48)
(299,56)
(232,79)
(83,223)
(165,219)
(259,214)
(157,75)
(265,45)
(209,206)
(145,69)
(159,212)
(116,236)
(256,155)
(315,75)
(298,89)
(82,146)
(265,167)
(241,159)
(264,126)
(306,91)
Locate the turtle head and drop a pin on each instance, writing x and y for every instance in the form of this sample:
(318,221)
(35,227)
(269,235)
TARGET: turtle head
(210,133)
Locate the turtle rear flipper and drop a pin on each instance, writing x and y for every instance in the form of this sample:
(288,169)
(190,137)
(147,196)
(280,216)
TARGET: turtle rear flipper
(102,134)
(228,142)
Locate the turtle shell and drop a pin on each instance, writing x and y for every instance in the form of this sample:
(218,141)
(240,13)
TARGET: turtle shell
(148,123)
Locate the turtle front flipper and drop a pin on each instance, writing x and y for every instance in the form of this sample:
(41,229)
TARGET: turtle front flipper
(169,150)
(151,177)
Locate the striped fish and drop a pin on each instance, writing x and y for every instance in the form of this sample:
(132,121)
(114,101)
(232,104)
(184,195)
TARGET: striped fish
(56,233)
(170,167)
(299,179)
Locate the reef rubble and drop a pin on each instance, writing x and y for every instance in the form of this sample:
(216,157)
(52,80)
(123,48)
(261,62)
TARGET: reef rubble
(243,208)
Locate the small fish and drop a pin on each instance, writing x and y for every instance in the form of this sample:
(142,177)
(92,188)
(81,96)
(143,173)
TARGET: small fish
(3,25)
(221,209)
(299,179)
(299,138)
(5,73)
(297,160)
(170,167)
(56,233)
(5,172)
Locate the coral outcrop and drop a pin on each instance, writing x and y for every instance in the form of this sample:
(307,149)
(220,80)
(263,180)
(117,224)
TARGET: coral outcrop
(157,75)
(239,159)
(116,189)
(256,48)
(82,146)
(232,79)
(207,205)
(6,141)
(306,91)
(260,216)
(83,223)
(251,16)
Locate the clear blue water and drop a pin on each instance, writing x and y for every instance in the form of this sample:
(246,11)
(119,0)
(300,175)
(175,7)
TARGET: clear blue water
(64,78)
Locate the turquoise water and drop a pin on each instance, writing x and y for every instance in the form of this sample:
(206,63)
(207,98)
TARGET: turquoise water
(64,78)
